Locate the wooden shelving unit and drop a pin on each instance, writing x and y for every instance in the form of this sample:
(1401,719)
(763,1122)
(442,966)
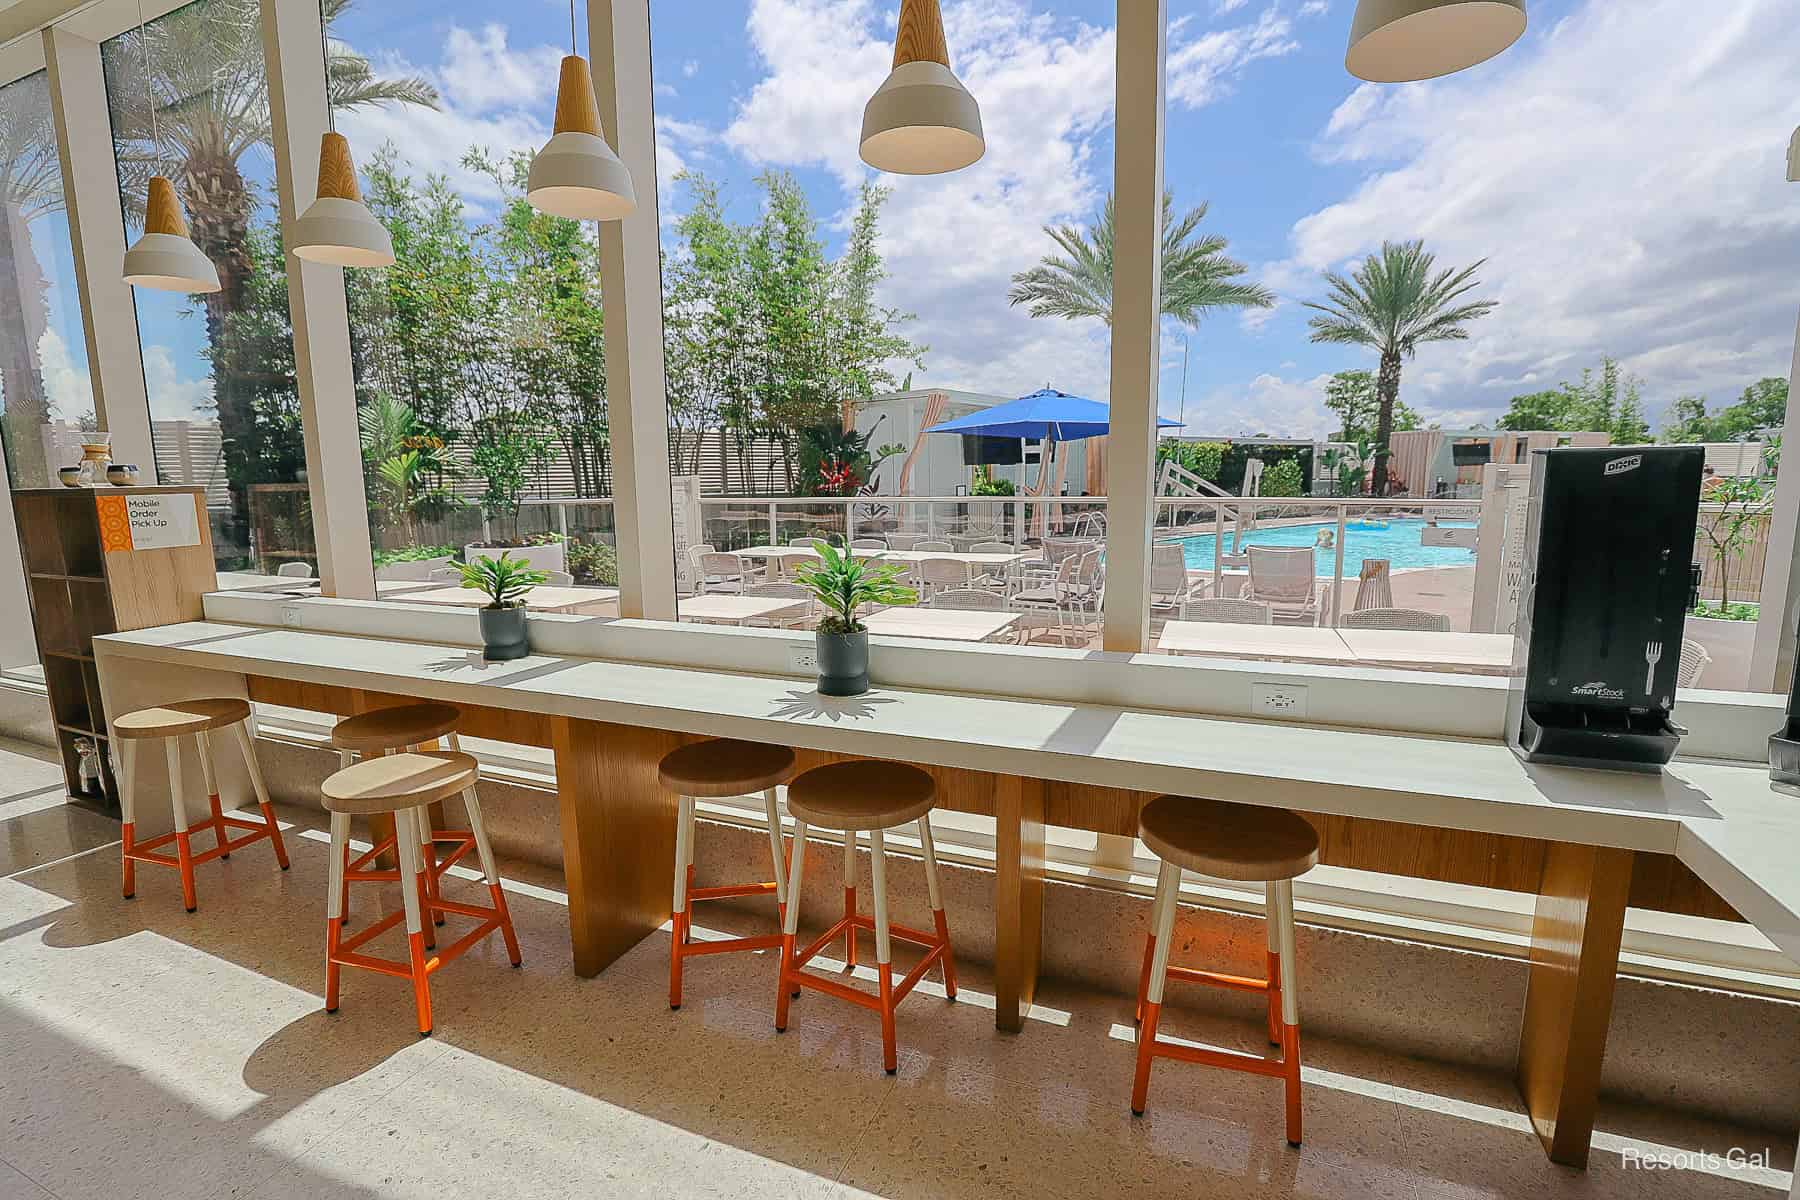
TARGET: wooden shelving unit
(79,590)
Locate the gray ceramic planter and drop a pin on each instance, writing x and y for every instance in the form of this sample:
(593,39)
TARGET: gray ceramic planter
(843,663)
(503,634)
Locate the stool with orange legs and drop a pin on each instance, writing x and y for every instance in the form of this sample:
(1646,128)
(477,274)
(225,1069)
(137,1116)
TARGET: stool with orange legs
(404,785)
(715,769)
(389,731)
(855,796)
(1271,846)
(170,723)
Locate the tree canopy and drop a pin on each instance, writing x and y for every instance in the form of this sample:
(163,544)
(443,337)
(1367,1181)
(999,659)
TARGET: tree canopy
(1762,406)
(1609,400)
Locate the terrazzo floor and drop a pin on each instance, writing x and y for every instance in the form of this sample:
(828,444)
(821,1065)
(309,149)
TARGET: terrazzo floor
(150,1053)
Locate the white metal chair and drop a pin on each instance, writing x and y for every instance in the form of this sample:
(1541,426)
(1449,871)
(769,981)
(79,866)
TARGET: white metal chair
(803,543)
(1229,610)
(935,573)
(784,591)
(1284,577)
(1694,661)
(295,570)
(1396,618)
(446,575)
(868,543)
(721,572)
(993,548)
(933,546)
(969,600)
(558,579)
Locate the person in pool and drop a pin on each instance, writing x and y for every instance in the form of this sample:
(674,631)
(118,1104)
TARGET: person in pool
(1326,540)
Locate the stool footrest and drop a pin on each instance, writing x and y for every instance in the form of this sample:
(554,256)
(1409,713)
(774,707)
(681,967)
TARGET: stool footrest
(346,955)
(144,851)
(1217,979)
(935,944)
(729,891)
(761,941)
(917,937)
(1229,1060)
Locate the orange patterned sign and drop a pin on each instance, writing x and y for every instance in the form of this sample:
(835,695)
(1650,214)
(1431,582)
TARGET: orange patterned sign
(115,523)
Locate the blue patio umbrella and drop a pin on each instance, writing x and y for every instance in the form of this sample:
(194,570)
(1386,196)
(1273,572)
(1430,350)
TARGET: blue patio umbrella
(1046,414)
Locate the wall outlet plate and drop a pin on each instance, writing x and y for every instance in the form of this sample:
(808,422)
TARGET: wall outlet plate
(291,616)
(1287,700)
(803,658)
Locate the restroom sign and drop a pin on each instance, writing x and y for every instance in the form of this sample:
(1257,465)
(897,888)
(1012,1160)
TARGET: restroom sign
(150,521)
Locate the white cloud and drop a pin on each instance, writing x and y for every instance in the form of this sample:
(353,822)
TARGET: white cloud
(1272,405)
(481,72)
(67,385)
(1622,174)
(690,68)
(174,397)
(1221,7)
(952,242)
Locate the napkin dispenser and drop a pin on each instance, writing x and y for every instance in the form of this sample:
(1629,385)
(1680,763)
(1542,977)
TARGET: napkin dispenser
(1603,601)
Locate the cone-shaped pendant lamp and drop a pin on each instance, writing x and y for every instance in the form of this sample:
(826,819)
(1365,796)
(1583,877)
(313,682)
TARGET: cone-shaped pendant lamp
(338,228)
(1794,158)
(922,120)
(576,174)
(1397,41)
(165,258)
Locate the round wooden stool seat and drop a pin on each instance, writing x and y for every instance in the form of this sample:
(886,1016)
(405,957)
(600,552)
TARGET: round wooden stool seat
(725,767)
(182,718)
(395,728)
(398,781)
(1229,841)
(866,794)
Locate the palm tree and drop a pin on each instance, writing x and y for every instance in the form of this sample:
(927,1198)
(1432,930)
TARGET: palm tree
(1197,277)
(1395,302)
(30,187)
(211,100)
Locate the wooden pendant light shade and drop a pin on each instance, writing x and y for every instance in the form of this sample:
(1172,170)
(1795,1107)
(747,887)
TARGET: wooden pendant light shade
(337,173)
(576,109)
(920,35)
(162,213)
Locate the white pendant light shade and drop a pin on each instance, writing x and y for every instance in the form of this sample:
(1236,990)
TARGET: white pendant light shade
(338,228)
(1398,41)
(576,174)
(921,120)
(165,258)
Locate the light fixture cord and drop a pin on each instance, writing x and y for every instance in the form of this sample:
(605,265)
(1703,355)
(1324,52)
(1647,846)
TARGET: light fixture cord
(149,85)
(572,46)
(325,59)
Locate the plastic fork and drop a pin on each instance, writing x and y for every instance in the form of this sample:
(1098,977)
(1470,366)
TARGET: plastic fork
(1652,656)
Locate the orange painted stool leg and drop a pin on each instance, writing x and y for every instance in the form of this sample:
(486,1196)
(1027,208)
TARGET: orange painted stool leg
(948,963)
(281,855)
(1274,998)
(129,864)
(1140,1084)
(889,1052)
(506,925)
(1290,1055)
(186,854)
(1144,977)
(333,930)
(218,823)
(850,899)
(421,983)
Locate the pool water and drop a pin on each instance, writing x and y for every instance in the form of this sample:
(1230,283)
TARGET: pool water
(1398,543)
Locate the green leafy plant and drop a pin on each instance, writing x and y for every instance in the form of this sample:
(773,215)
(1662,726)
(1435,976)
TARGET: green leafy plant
(505,581)
(844,584)
(986,485)
(1737,610)
(1283,479)
(413,554)
(593,562)
(1202,458)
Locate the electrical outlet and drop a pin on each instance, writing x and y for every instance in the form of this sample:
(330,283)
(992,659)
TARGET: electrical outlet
(290,616)
(1278,699)
(803,658)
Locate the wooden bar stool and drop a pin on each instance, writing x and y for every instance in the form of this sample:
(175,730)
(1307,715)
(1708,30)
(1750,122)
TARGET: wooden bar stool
(1271,846)
(387,731)
(403,785)
(874,796)
(714,769)
(171,723)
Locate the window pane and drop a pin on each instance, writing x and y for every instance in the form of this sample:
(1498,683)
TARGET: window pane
(219,367)
(480,358)
(46,397)
(820,318)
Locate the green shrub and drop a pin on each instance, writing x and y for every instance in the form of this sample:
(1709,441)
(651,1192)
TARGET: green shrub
(986,485)
(1283,479)
(413,554)
(593,562)
(1204,459)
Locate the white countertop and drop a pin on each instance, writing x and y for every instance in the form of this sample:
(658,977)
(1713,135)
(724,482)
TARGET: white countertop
(1723,820)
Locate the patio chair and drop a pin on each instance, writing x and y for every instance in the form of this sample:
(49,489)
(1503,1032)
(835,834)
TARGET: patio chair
(868,543)
(719,572)
(935,573)
(1396,618)
(1228,610)
(969,599)
(1694,660)
(295,570)
(1047,605)
(1283,577)
(784,591)
(803,543)
(1375,586)
(903,541)
(446,575)
(1169,587)
(558,579)
(993,548)
(933,547)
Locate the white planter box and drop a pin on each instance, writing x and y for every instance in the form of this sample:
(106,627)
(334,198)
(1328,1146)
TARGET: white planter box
(544,558)
(1730,644)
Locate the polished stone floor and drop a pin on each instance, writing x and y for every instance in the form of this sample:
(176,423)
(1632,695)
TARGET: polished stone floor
(147,1052)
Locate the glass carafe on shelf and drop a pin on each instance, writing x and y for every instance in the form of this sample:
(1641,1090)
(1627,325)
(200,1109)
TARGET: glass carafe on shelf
(87,766)
(96,454)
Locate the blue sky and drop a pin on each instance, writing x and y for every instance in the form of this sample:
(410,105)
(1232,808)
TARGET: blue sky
(1620,169)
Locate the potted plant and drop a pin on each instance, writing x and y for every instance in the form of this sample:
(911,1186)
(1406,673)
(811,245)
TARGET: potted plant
(505,582)
(844,584)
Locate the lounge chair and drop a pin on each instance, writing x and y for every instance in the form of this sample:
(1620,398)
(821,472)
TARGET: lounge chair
(1169,586)
(1283,577)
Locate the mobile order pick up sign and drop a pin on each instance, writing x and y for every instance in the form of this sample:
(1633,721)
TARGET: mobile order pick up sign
(148,521)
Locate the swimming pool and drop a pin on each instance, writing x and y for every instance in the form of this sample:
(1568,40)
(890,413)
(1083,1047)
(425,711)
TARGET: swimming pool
(1398,543)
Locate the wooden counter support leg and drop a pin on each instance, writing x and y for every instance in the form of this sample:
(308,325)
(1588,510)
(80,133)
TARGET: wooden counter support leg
(1018,896)
(1568,997)
(618,834)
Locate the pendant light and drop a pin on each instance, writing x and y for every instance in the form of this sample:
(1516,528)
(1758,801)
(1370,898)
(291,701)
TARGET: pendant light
(576,174)
(921,120)
(165,257)
(1397,41)
(1794,158)
(337,228)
